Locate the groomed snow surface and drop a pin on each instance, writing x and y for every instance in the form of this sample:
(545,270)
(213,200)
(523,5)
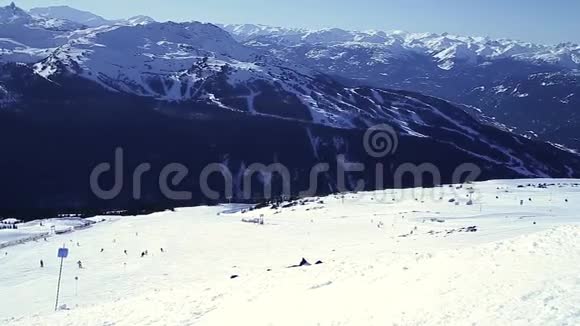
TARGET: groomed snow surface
(388,258)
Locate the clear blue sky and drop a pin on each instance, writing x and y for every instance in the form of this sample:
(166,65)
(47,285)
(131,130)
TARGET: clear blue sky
(529,20)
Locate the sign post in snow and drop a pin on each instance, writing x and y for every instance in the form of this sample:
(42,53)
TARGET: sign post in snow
(62,254)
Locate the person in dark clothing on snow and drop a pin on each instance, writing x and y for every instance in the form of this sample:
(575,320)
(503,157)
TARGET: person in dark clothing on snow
(41,264)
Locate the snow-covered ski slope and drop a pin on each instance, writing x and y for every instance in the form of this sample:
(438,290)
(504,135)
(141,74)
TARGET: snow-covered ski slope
(389,257)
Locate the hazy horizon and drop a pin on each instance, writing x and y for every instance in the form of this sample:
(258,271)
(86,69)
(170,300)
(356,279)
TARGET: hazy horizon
(548,23)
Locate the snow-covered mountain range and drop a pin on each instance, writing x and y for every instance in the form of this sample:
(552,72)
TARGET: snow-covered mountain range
(529,86)
(24,38)
(194,86)
(31,36)
(446,49)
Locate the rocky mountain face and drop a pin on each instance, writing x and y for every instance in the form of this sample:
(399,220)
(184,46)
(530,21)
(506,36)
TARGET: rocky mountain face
(504,78)
(189,93)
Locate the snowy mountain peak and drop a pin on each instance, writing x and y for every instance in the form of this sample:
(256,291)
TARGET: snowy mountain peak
(244,32)
(13,14)
(29,38)
(70,14)
(140,20)
(84,17)
(327,35)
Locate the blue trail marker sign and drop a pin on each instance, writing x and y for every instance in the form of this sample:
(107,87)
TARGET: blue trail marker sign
(62,254)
